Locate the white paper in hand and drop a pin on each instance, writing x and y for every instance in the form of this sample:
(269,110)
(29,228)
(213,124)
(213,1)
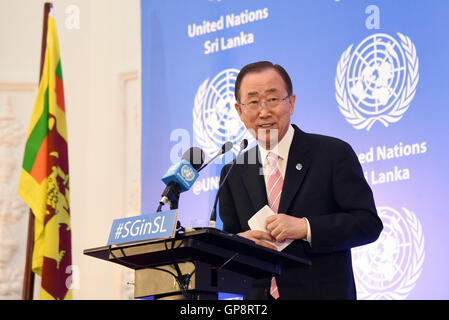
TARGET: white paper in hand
(257,222)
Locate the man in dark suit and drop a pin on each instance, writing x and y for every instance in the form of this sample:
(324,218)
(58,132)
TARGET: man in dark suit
(314,183)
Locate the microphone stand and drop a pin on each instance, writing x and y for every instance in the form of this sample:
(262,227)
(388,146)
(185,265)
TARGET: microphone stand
(171,194)
(224,148)
(213,215)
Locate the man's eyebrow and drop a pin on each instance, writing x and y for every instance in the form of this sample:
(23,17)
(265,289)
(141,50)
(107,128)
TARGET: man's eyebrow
(255,93)
(252,93)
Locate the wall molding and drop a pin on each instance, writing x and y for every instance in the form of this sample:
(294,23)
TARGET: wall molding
(130,108)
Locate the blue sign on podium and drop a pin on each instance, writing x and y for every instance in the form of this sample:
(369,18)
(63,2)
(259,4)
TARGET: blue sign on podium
(143,227)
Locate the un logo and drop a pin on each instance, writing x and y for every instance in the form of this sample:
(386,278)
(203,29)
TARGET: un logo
(390,267)
(187,173)
(377,80)
(215,119)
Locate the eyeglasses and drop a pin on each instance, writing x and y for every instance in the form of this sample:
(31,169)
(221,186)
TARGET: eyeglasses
(253,105)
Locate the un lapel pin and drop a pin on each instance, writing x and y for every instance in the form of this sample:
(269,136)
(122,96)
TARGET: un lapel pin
(299,166)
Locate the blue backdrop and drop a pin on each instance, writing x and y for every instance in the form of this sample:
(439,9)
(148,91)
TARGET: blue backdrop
(372,73)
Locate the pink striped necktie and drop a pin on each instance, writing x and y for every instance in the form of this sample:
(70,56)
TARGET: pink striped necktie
(274,190)
(274,183)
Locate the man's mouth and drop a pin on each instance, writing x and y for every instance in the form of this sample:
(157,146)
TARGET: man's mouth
(267,125)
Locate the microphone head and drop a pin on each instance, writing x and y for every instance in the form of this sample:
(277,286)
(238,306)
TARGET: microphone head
(243,144)
(195,156)
(226,147)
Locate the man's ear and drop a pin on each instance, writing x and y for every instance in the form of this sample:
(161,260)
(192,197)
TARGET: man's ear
(292,103)
(239,109)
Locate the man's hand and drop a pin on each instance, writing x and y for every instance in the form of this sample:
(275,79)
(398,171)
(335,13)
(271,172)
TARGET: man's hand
(258,236)
(282,226)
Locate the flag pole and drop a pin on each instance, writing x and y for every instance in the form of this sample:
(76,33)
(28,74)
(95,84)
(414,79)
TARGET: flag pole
(28,277)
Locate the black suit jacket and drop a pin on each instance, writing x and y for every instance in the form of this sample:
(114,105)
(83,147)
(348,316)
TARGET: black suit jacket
(331,191)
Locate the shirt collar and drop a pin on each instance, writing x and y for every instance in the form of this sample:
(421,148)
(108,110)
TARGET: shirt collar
(282,148)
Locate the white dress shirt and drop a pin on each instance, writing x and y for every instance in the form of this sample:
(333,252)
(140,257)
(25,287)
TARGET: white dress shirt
(282,149)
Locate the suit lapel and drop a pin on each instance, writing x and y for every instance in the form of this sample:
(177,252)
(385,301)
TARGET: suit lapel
(297,166)
(254,181)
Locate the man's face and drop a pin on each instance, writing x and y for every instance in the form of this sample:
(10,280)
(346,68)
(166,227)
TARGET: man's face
(267,124)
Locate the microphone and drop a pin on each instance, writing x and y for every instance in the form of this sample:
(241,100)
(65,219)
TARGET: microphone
(195,156)
(224,148)
(213,215)
(181,176)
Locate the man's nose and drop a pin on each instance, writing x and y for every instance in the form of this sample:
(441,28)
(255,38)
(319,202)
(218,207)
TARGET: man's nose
(264,111)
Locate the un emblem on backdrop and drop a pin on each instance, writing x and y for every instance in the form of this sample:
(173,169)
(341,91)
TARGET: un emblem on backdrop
(377,80)
(215,119)
(390,267)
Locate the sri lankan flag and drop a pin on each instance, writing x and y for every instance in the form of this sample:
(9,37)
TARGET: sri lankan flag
(44,180)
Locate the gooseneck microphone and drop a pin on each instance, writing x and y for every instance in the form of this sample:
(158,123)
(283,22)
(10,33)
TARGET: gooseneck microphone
(224,148)
(213,215)
(181,176)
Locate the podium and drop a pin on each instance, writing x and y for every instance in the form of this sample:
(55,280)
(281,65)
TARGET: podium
(196,265)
